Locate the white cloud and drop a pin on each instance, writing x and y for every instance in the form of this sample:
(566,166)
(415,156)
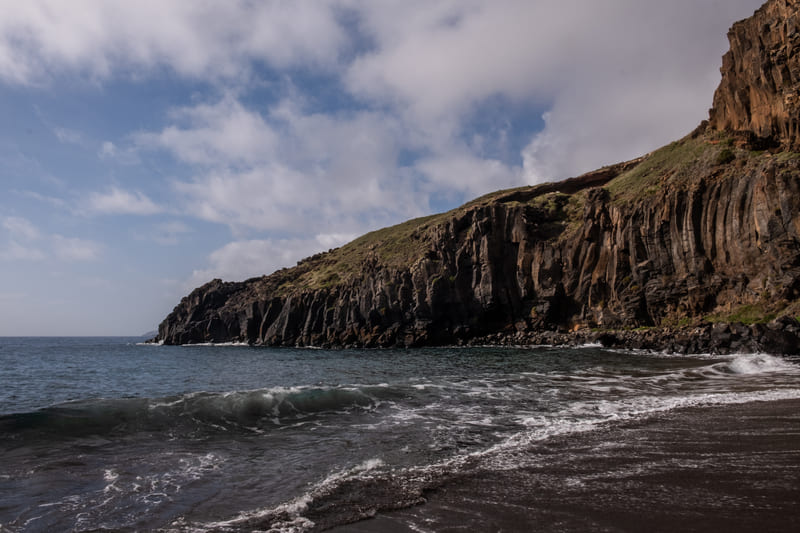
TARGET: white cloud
(62,248)
(264,198)
(439,57)
(68,136)
(120,202)
(462,171)
(107,149)
(334,240)
(618,77)
(240,260)
(167,234)
(124,155)
(221,133)
(289,169)
(606,119)
(19,227)
(14,251)
(51,200)
(97,38)
(74,249)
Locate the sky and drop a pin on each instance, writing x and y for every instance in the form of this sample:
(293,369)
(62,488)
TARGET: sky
(148,147)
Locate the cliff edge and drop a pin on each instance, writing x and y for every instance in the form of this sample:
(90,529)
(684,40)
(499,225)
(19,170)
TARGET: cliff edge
(695,246)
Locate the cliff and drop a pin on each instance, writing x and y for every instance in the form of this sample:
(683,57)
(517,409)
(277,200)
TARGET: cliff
(700,233)
(760,93)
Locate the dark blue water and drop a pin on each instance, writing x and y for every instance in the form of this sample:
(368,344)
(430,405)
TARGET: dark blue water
(108,434)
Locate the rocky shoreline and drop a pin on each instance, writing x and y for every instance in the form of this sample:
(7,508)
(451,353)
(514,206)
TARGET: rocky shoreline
(779,337)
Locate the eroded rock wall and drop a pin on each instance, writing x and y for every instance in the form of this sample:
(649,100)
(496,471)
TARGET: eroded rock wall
(505,266)
(759,92)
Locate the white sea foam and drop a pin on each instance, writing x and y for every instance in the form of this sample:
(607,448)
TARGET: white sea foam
(587,416)
(287,517)
(111,477)
(590,345)
(582,417)
(759,364)
(733,367)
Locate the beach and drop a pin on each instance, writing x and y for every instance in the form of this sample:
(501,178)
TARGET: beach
(722,468)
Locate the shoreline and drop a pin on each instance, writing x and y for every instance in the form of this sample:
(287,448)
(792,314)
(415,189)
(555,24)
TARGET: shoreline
(721,468)
(778,337)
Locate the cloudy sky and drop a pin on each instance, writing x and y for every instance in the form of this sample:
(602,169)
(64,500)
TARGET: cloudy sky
(147,147)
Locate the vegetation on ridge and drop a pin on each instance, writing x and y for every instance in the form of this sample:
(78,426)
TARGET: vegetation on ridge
(675,165)
(672,166)
(391,246)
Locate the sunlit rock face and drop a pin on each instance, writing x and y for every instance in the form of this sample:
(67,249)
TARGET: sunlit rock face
(760,92)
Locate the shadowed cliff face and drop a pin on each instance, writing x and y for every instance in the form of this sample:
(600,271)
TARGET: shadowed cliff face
(678,235)
(703,226)
(759,93)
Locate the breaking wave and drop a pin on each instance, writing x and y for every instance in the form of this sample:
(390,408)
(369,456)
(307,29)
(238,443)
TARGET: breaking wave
(191,414)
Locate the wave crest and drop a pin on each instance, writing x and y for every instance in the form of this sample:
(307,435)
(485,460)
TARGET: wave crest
(190,414)
(755,364)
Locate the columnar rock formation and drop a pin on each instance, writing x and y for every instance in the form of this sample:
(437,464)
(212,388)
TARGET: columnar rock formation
(704,227)
(760,89)
(532,259)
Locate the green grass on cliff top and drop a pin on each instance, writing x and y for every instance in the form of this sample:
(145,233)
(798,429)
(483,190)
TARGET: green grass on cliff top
(673,164)
(391,246)
(678,164)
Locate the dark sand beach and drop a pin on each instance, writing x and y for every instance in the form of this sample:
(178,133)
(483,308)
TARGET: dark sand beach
(724,468)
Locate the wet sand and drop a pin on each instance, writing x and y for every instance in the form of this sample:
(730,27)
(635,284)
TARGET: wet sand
(732,468)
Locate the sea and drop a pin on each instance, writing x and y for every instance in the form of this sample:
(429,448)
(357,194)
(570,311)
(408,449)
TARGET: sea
(111,434)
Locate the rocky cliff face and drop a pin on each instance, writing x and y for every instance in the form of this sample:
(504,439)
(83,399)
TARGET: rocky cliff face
(760,92)
(706,228)
(678,236)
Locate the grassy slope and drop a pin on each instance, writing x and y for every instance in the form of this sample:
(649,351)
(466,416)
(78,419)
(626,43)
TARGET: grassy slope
(401,245)
(677,164)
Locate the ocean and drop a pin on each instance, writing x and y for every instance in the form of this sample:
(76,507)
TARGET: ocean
(108,434)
